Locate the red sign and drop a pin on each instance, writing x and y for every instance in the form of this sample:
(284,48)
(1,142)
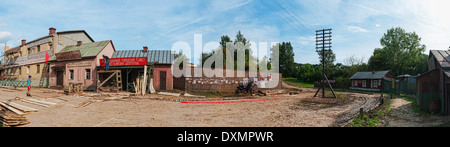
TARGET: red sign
(130,61)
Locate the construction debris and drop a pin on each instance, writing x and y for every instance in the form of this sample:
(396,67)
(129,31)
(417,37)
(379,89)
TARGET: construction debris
(12,109)
(169,94)
(21,107)
(9,118)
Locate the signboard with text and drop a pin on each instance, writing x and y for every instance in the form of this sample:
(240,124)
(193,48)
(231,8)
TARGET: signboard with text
(72,55)
(129,61)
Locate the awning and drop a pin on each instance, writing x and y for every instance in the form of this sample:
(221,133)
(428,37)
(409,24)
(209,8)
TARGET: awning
(12,50)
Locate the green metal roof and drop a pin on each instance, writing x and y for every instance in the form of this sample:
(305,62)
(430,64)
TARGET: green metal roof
(86,49)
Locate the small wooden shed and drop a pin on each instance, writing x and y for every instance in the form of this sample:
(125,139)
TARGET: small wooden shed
(433,87)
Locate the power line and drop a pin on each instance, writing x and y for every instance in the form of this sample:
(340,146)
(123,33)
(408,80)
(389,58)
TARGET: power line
(281,4)
(284,18)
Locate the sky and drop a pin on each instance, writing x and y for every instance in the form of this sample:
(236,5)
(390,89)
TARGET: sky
(357,25)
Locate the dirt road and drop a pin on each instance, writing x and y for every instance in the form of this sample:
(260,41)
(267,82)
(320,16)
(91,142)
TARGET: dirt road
(149,112)
(403,115)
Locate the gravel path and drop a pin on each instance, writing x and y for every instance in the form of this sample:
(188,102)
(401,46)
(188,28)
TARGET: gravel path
(403,115)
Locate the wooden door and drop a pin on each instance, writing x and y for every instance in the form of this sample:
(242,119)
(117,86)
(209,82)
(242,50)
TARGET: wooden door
(59,78)
(162,80)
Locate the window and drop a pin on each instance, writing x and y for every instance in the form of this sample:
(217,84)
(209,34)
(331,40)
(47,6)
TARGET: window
(38,48)
(88,74)
(28,70)
(38,68)
(20,70)
(71,75)
(28,51)
(375,83)
(364,83)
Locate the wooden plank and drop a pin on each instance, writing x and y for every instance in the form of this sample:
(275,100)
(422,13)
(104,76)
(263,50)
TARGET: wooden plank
(144,85)
(12,109)
(112,75)
(107,71)
(21,107)
(36,103)
(42,102)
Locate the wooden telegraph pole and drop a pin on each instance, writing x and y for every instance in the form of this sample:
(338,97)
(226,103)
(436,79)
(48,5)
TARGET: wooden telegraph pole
(323,43)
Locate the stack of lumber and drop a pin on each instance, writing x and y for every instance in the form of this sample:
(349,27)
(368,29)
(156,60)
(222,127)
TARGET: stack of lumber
(38,102)
(11,113)
(10,118)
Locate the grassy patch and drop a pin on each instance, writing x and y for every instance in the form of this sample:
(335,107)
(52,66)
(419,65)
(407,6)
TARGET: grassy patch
(373,118)
(295,82)
(338,95)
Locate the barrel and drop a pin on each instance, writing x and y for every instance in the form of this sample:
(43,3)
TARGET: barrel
(435,105)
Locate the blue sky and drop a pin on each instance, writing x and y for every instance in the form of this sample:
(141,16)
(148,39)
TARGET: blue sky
(357,25)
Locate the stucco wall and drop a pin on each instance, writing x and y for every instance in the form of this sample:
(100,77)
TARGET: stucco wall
(66,39)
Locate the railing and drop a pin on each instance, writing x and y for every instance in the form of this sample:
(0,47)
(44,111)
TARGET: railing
(14,83)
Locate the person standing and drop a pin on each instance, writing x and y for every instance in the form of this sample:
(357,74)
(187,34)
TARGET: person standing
(29,85)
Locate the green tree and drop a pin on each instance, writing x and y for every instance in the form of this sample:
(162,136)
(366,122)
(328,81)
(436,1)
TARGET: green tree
(401,52)
(286,58)
(223,40)
(330,57)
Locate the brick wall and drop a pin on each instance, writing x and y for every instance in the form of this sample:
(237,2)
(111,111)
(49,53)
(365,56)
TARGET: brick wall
(221,84)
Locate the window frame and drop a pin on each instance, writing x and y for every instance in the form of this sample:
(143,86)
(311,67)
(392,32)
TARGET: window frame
(87,75)
(71,74)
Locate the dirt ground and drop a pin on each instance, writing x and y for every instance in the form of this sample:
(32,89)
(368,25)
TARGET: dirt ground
(402,115)
(122,110)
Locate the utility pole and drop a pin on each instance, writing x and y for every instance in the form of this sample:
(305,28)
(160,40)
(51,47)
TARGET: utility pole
(323,43)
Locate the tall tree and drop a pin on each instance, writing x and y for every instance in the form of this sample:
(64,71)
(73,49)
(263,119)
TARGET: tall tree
(330,57)
(401,52)
(223,40)
(286,58)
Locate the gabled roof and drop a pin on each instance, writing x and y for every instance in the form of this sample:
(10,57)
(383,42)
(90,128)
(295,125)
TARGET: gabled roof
(153,56)
(369,75)
(442,57)
(91,49)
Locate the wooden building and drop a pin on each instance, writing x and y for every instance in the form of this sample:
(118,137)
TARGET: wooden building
(77,64)
(433,87)
(370,81)
(152,64)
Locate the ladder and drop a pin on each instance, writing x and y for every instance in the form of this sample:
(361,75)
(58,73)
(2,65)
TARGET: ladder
(44,74)
(119,80)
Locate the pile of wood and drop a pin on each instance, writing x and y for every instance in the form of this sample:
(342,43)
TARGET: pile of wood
(9,118)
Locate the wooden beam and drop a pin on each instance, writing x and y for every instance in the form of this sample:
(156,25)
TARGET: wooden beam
(21,107)
(12,109)
(107,71)
(115,73)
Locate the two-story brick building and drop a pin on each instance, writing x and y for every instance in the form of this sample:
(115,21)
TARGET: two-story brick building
(29,57)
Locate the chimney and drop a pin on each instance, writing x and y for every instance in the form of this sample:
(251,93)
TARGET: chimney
(373,71)
(51,31)
(24,41)
(145,49)
(79,43)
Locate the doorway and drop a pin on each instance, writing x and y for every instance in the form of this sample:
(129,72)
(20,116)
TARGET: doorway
(59,78)
(162,80)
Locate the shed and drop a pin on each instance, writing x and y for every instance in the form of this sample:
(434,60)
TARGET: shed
(370,81)
(433,87)
(159,63)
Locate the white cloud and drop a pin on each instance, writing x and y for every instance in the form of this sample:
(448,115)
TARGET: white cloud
(377,25)
(5,36)
(356,29)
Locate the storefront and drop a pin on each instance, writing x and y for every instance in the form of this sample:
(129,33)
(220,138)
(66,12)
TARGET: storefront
(77,64)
